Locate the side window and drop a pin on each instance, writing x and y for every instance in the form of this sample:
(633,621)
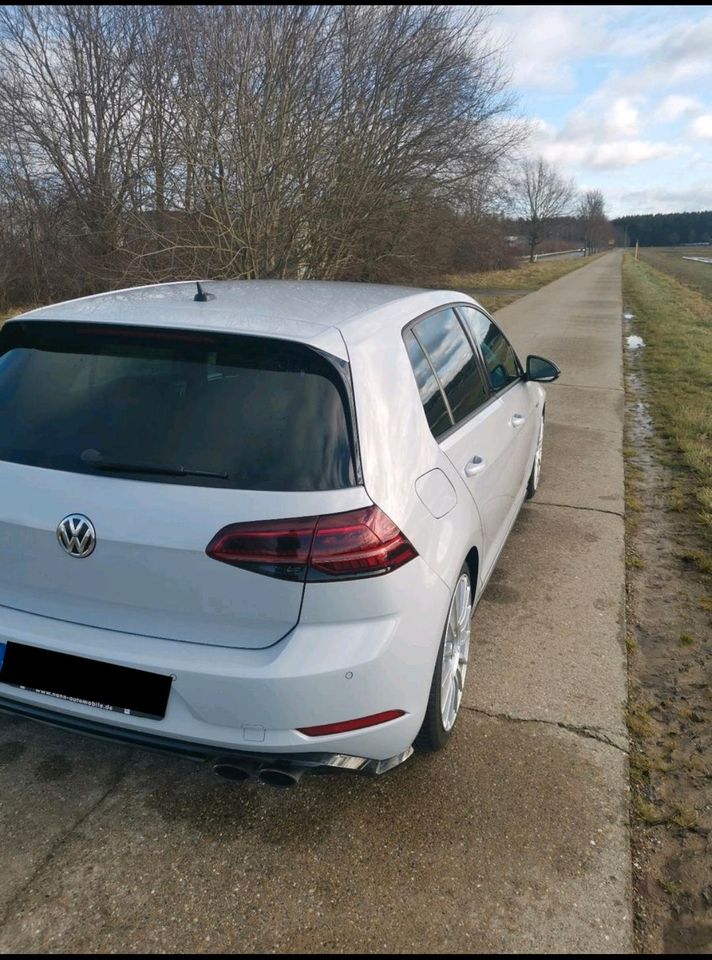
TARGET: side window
(453,360)
(500,360)
(431,396)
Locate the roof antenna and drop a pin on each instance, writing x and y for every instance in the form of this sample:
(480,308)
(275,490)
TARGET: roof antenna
(201,296)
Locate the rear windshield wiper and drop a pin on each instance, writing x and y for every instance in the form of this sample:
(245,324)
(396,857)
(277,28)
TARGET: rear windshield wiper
(95,459)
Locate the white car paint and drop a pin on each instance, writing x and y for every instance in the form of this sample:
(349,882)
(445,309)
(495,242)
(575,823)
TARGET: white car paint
(253,658)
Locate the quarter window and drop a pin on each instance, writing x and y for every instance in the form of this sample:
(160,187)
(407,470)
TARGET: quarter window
(500,359)
(431,396)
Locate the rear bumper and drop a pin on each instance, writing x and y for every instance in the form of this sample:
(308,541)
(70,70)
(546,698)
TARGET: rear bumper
(196,751)
(361,648)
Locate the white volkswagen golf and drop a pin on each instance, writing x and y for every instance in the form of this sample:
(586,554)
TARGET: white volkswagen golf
(249,521)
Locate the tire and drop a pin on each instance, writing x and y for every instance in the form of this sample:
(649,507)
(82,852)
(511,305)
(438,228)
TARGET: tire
(439,723)
(535,475)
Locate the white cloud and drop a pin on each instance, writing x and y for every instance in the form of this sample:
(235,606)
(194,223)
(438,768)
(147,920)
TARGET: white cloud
(602,116)
(695,196)
(701,128)
(629,153)
(636,70)
(543,43)
(622,118)
(684,54)
(674,106)
(604,154)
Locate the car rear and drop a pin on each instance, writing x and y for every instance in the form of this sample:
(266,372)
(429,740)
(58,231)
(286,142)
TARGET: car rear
(242,591)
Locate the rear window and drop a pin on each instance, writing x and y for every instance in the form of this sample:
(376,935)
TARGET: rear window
(219,410)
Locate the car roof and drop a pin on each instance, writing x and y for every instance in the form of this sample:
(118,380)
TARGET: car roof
(304,310)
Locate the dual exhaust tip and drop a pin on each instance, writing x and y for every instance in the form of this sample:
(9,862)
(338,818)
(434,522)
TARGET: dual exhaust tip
(281,777)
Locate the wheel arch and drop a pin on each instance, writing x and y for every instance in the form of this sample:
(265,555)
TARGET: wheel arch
(472,561)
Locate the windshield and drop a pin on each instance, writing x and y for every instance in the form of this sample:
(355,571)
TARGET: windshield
(173,406)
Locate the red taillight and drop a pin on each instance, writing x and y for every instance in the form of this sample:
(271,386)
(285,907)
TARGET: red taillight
(345,725)
(279,548)
(340,546)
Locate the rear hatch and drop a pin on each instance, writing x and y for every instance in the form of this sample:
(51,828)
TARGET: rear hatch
(161,438)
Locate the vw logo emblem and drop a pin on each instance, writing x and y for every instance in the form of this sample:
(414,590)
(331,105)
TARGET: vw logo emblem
(76,534)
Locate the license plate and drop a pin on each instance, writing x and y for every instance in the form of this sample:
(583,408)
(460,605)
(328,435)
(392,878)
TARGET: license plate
(106,686)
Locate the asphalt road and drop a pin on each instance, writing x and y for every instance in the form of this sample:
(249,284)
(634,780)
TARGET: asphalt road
(514,839)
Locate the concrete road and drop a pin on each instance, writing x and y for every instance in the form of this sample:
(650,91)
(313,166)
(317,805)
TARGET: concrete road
(514,839)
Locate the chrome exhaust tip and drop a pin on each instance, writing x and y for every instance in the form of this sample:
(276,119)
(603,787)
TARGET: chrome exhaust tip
(280,777)
(229,770)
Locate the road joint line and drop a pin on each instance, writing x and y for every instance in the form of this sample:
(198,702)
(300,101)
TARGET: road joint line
(589,733)
(571,506)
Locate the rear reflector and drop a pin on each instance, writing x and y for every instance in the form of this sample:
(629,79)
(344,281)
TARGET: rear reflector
(344,726)
(340,546)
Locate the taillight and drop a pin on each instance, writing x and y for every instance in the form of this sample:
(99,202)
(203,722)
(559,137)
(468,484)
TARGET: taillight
(278,548)
(340,546)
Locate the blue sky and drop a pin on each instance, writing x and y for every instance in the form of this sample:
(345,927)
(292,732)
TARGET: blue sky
(618,97)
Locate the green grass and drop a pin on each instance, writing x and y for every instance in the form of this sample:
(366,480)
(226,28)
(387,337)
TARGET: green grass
(670,260)
(515,282)
(675,322)
(648,812)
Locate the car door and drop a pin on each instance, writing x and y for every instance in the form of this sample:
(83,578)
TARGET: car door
(519,411)
(466,419)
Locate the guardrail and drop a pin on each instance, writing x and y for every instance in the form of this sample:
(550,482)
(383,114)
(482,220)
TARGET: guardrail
(699,259)
(555,253)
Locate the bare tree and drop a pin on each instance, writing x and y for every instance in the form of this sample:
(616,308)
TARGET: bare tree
(540,195)
(156,142)
(590,211)
(70,118)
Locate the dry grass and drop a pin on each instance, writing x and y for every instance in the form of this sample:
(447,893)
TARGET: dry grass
(516,282)
(649,813)
(7,314)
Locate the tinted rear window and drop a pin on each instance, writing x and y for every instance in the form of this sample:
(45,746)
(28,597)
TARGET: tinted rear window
(269,414)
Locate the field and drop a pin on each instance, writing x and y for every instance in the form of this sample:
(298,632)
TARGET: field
(494,289)
(692,273)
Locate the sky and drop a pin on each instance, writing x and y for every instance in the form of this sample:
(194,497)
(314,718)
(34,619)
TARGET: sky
(618,97)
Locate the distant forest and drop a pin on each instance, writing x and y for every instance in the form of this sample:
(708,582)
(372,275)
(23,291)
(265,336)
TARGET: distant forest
(665,229)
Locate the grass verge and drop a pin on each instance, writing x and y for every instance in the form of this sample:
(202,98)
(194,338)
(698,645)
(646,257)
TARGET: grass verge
(675,322)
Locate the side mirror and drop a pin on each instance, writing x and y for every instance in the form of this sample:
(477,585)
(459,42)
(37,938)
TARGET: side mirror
(541,370)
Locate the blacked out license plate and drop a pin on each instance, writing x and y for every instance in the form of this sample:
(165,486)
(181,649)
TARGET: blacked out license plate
(137,693)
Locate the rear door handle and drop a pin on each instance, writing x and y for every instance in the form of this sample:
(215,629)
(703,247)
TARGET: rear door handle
(517,419)
(475,466)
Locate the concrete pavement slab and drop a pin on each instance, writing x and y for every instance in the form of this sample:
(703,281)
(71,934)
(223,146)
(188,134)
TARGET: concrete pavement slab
(596,407)
(509,841)
(548,631)
(584,467)
(48,784)
(583,360)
